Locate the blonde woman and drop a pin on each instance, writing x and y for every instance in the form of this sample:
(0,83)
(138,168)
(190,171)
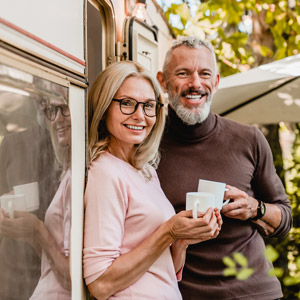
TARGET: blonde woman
(134,245)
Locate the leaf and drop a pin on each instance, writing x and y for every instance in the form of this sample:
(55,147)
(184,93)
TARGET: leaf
(184,12)
(265,51)
(298,262)
(278,272)
(269,17)
(240,259)
(288,281)
(229,262)
(229,272)
(271,253)
(244,274)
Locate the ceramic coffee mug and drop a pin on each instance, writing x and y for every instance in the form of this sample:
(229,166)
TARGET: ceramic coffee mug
(31,192)
(216,188)
(196,201)
(10,203)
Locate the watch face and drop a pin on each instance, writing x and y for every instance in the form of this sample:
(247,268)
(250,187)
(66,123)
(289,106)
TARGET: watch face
(263,208)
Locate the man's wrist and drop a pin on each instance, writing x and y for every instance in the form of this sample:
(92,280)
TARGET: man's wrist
(261,210)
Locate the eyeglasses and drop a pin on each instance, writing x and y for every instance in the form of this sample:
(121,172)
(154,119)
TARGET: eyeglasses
(51,111)
(128,106)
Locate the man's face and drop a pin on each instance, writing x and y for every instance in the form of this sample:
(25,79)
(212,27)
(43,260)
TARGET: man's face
(190,82)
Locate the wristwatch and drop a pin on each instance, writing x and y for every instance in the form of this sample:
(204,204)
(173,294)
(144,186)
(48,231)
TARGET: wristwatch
(261,210)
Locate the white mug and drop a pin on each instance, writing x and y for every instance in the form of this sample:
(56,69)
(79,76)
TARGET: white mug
(31,192)
(216,188)
(196,201)
(10,203)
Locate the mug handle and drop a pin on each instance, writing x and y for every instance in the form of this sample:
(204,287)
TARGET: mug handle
(195,208)
(226,201)
(11,209)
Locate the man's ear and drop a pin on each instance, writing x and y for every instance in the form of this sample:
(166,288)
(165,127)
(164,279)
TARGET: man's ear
(161,79)
(217,81)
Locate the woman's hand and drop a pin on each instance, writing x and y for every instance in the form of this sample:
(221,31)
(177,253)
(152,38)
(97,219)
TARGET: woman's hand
(22,227)
(206,226)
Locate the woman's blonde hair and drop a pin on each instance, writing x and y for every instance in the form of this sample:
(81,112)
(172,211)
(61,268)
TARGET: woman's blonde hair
(100,97)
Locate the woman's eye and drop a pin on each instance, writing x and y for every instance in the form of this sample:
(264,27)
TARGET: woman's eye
(128,102)
(149,105)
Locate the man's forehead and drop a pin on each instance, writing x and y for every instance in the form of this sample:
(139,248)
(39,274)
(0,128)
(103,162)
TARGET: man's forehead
(184,57)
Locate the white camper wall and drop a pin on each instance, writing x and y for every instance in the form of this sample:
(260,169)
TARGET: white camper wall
(53,29)
(165,38)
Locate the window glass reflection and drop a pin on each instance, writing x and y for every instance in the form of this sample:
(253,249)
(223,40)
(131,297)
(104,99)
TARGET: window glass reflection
(35,187)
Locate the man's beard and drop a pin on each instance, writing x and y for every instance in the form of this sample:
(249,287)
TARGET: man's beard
(190,116)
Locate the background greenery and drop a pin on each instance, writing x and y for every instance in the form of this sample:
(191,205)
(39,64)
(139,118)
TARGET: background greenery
(245,34)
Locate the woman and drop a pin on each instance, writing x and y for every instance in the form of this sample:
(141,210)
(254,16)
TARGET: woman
(50,239)
(129,223)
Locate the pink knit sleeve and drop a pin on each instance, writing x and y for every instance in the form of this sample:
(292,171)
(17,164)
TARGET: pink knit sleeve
(105,211)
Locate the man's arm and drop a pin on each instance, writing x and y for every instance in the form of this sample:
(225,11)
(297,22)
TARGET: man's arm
(244,207)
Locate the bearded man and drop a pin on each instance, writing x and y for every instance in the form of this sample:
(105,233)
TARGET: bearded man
(199,144)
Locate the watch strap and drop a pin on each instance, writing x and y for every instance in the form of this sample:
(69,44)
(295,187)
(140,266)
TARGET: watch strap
(261,210)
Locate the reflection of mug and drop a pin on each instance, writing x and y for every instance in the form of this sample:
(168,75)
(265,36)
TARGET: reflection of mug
(196,201)
(217,188)
(31,192)
(13,202)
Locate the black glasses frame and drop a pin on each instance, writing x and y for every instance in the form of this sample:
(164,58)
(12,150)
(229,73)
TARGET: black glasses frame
(157,109)
(52,116)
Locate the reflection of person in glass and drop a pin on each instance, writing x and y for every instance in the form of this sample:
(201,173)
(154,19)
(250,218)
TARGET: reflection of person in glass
(129,222)
(51,238)
(25,157)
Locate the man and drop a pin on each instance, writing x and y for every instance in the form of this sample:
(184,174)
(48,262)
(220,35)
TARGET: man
(201,145)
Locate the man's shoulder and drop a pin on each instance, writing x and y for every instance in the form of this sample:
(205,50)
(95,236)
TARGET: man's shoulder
(235,126)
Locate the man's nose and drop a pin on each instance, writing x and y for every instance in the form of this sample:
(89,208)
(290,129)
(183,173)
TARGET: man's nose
(195,81)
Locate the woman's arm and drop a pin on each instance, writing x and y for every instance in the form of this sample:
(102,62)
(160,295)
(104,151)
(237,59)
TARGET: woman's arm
(57,259)
(30,229)
(128,268)
(180,246)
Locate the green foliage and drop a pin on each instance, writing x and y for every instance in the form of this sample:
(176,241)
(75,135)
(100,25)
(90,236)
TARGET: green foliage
(271,253)
(237,266)
(219,21)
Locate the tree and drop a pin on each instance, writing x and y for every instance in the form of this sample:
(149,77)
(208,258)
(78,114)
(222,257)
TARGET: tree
(245,33)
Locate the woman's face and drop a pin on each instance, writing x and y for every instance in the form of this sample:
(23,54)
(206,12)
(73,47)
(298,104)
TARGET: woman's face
(61,125)
(128,130)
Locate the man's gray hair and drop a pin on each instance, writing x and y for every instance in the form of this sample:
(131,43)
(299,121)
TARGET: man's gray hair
(191,42)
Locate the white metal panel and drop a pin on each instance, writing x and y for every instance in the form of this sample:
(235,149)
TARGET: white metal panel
(77,110)
(56,22)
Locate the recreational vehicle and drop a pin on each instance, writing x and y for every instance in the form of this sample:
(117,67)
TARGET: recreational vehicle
(50,53)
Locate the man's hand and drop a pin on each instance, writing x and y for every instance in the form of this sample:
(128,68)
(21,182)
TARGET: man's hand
(242,207)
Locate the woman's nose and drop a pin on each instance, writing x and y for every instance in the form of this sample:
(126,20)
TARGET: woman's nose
(139,113)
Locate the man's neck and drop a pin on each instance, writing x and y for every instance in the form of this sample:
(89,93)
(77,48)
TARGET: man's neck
(185,132)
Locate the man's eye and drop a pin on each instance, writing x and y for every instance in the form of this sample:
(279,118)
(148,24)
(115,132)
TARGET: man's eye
(182,74)
(206,74)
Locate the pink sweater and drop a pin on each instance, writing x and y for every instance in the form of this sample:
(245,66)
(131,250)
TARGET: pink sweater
(121,210)
(58,222)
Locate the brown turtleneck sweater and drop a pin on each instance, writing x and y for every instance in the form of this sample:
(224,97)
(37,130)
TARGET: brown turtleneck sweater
(223,150)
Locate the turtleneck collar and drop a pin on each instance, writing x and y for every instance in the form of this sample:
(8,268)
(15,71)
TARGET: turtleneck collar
(189,133)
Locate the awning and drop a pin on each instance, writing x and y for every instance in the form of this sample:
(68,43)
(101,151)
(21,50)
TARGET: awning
(267,94)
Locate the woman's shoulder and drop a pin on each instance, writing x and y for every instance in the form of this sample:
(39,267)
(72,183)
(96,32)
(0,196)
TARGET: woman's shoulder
(108,164)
